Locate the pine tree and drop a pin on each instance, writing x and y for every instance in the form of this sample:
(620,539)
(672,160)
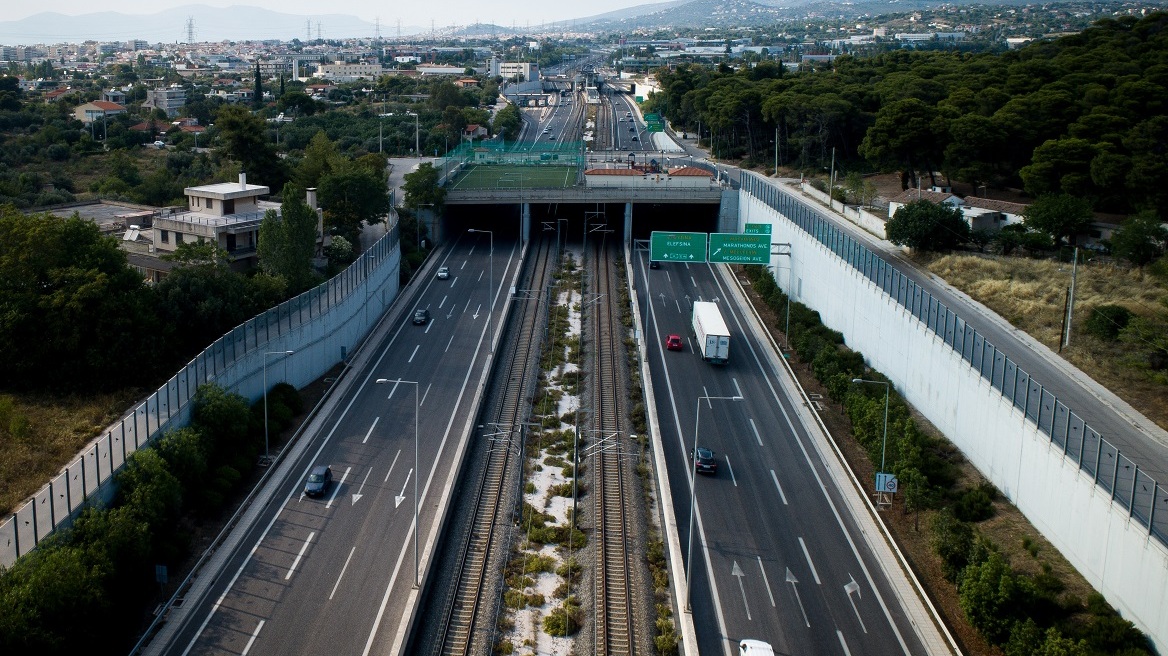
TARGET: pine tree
(258,100)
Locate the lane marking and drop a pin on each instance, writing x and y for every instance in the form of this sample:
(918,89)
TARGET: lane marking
(443,301)
(691,278)
(678,305)
(464,308)
(337,487)
(338,583)
(779,487)
(254,635)
(448,343)
(414,353)
(375,420)
(706,394)
(300,555)
(737,389)
(395,457)
(843,643)
(480,276)
(807,555)
(429,325)
(357,495)
(755,429)
(765,581)
(732,479)
(424,394)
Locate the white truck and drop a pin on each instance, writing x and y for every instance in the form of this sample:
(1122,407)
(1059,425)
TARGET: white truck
(710,330)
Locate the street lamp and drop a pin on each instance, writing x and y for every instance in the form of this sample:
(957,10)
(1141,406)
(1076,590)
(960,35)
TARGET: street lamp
(491,285)
(417,472)
(884,442)
(267,458)
(693,493)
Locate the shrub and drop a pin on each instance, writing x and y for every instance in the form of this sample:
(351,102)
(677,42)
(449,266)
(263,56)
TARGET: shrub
(952,539)
(976,504)
(564,620)
(1106,321)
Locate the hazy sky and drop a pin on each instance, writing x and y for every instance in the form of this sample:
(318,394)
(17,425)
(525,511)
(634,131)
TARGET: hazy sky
(442,12)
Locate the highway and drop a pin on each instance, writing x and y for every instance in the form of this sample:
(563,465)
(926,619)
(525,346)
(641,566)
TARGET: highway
(776,554)
(333,574)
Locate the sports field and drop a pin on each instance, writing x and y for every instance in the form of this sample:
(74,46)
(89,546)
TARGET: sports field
(493,176)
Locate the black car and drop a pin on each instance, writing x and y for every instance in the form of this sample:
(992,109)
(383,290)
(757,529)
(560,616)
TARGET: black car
(318,481)
(421,317)
(705,461)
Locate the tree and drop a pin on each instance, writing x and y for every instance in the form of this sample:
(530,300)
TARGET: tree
(904,136)
(244,137)
(993,597)
(421,188)
(258,99)
(321,157)
(351,196)
(1141,239)
(927,226)
(1058,215)
(507,122)
(288,241)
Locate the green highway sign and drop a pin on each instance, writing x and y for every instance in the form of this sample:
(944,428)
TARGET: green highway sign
(734,248)
(680,246)
(757,229)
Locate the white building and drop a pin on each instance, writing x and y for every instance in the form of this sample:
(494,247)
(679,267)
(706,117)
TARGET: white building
(508,70)
(170,100)
(346,72)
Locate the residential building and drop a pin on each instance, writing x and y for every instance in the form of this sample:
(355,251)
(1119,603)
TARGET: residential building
(96,111)
(114,96)
(350,72)
(990,214)
(910,195)
(528,70)
(169,99)
(466,82)
(226,214)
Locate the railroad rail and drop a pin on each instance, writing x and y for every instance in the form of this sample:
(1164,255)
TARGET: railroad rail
(465,614)
(614,630)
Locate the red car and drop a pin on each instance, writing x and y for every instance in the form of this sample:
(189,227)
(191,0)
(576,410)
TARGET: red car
(673,343)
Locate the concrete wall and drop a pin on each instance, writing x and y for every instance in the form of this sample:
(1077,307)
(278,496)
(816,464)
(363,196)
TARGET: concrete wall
(319,326)
(1115,552)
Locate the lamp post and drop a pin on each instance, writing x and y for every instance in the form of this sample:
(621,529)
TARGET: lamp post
(884,442)
(417,473)
(491,285)
(693,480)
(417,148)
(267,458)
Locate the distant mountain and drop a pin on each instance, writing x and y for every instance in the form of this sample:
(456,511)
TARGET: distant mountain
(237,23)
(742,13)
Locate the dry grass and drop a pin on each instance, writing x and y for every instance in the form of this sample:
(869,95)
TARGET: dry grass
(40,434)
(1031,294)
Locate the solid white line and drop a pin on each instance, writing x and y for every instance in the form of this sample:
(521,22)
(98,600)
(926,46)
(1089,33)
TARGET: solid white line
(765,581)
(375,420)
(755,429)
(810,564)
(414,353)
(424,394)
(779,487)
(448,343)
(395,457)
(342,575)
(300,555)
(843,643)
(732,479)
(254,635)
(337,487)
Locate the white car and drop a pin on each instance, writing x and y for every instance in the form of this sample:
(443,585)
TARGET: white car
(160,144)
(443,273)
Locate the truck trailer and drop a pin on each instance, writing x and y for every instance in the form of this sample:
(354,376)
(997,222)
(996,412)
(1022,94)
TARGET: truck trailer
(712,336)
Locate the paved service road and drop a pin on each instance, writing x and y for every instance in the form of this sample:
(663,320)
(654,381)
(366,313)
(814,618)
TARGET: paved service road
(333,575)
(777,555)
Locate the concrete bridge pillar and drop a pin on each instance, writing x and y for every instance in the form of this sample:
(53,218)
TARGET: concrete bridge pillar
(628,223)
(524,222)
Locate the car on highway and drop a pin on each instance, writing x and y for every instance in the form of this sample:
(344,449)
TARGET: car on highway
(421,316)
(635,138)
(443,273)
(673,343)
(704,462)
(750,647)
(318,481)
(632,129)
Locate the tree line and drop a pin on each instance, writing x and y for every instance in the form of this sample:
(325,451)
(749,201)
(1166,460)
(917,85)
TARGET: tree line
(1083,115)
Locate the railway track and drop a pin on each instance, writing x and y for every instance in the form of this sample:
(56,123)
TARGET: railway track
(614,625)
(468,623)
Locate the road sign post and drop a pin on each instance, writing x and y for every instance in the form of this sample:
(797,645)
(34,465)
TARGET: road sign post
(735,248)
(677,246)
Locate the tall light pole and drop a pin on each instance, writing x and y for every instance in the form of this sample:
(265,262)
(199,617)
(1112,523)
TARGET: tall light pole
(884,442)
(491,287)
(417,472)
(417,149)
(693,480)
(267,458)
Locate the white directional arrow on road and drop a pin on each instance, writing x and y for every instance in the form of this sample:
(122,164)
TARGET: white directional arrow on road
(737,571)
(402,497)
(476,312)
(849,588)
(793,581)
(357,494)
